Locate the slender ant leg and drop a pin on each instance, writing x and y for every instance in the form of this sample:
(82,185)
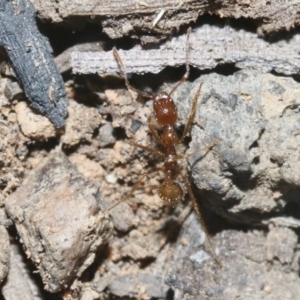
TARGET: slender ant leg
(178,157)
(134,188)
(199,215)
(187,63)
(154,131)
(188,125)
(149,149)
(123,69)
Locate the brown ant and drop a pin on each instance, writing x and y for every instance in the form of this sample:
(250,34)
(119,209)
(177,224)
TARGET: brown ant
(161,124)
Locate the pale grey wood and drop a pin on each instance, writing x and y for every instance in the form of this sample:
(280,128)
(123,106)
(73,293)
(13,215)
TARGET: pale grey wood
(120,17)
(210,46)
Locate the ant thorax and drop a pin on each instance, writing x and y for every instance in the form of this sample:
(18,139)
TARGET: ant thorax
(169,136)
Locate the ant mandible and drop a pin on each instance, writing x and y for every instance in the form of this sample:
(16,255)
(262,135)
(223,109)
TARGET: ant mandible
(161,124)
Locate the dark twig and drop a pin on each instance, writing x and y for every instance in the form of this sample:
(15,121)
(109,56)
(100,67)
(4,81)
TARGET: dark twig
(30,54)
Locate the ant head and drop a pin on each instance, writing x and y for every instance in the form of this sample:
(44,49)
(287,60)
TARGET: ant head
(170,192)
(165,110)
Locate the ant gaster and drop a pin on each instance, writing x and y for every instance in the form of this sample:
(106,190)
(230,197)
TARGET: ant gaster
(161,124)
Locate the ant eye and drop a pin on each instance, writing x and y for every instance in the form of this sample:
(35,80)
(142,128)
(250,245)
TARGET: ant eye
(171,193)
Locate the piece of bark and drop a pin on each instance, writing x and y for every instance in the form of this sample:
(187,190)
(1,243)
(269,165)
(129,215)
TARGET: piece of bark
(30,54)
(63,61)
(19,283)
(210,46)
(271,16)
(119,18)
(57,214)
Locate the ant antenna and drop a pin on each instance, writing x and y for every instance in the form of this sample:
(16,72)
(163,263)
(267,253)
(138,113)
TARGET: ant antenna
(123,69)
(187,63)
(134,188)
(203,226)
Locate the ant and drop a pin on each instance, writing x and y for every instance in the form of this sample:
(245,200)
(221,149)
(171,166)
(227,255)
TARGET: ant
(161,124)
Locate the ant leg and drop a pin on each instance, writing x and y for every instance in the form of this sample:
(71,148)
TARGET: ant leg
(123,69)
(178,157)
(196,208)
(154,131)
(187,63)
(134,188)
(188,125)
(146,148)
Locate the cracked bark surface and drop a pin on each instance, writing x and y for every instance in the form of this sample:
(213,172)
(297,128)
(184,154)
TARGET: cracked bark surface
(210,46)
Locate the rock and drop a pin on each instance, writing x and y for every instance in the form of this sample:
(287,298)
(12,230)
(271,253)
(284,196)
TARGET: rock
(34,126)
(254,169)
(57,213)
(106,135)
(4,253)
(13,91)
(20,283)
(281,243)
(80,124)
(143,286)
(246,273)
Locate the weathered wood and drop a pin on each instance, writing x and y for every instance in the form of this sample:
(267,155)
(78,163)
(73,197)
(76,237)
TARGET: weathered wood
(119,18)
(210,45)
(30,54)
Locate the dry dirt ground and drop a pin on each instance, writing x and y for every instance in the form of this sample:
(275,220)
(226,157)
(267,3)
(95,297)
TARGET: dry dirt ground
(55,186)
